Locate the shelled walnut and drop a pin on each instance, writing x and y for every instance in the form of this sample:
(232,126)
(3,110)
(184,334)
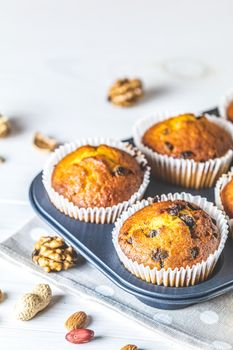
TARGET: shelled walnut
(125,92)
(53,254)
(129,347)
(44,143)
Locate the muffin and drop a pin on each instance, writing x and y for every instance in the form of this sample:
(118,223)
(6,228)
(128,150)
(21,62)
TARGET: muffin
(226,106)
(229,111)
(227,198)
(188,137)
(169,234)
(172,241)
(97,176)
(95,181)
(187,150)
(224,196)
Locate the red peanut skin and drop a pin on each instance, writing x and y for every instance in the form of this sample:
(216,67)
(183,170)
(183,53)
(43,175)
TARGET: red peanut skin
(80,336)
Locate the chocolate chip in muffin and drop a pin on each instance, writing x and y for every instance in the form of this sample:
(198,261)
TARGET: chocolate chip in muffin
(169,145)
(175,209)
(160,255)
(187,154)
(194,252)
(188,220)
(120,171)
(193,206)
(130,240)
(153,233)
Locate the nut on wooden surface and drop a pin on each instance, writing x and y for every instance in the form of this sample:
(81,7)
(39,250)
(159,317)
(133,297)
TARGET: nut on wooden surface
(51,253)
(80,336)
(129,347)
(125,92)
(76,320)
(5,126)
(30,304)
(44,143)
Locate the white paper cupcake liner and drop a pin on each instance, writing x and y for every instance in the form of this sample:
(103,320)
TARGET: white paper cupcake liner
(221,183)
(224,103)
(94,215)
(184,172)
(179,277)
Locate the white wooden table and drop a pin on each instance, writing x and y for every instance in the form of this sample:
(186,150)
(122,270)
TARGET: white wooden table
(57,60)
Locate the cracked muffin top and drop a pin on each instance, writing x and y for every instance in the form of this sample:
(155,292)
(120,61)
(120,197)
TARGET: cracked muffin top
(227,198)
(189,137)
(169,234)
(99,176)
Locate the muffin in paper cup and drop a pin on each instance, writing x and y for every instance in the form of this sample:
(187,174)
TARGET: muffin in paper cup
(224,103)
(178,277)
(221,183)
(184,172)
(96,214)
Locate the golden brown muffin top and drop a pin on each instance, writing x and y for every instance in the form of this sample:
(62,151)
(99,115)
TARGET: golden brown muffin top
(97,176)
(227,198)
(169,234)
(188,137)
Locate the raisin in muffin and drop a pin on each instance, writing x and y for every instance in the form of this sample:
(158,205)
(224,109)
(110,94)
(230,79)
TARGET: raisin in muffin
(188,137)
(97,176)
(169,234)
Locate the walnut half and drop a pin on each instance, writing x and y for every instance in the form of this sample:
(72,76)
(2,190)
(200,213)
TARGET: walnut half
(125,92)
(44,143)
(53,254)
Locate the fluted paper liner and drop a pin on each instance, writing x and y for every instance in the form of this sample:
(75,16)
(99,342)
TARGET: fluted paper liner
(184,172)
(94,215)
(224,103)
(221,183)
(179,277)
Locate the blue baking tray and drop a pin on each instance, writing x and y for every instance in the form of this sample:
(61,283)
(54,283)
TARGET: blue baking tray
(94,242)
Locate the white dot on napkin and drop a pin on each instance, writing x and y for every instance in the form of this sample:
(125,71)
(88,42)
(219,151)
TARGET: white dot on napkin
(209,317)
(105,290)
(162,317)
(221,345)
(37,232)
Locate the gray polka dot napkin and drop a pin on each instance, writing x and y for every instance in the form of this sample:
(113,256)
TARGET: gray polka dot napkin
(204,326)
